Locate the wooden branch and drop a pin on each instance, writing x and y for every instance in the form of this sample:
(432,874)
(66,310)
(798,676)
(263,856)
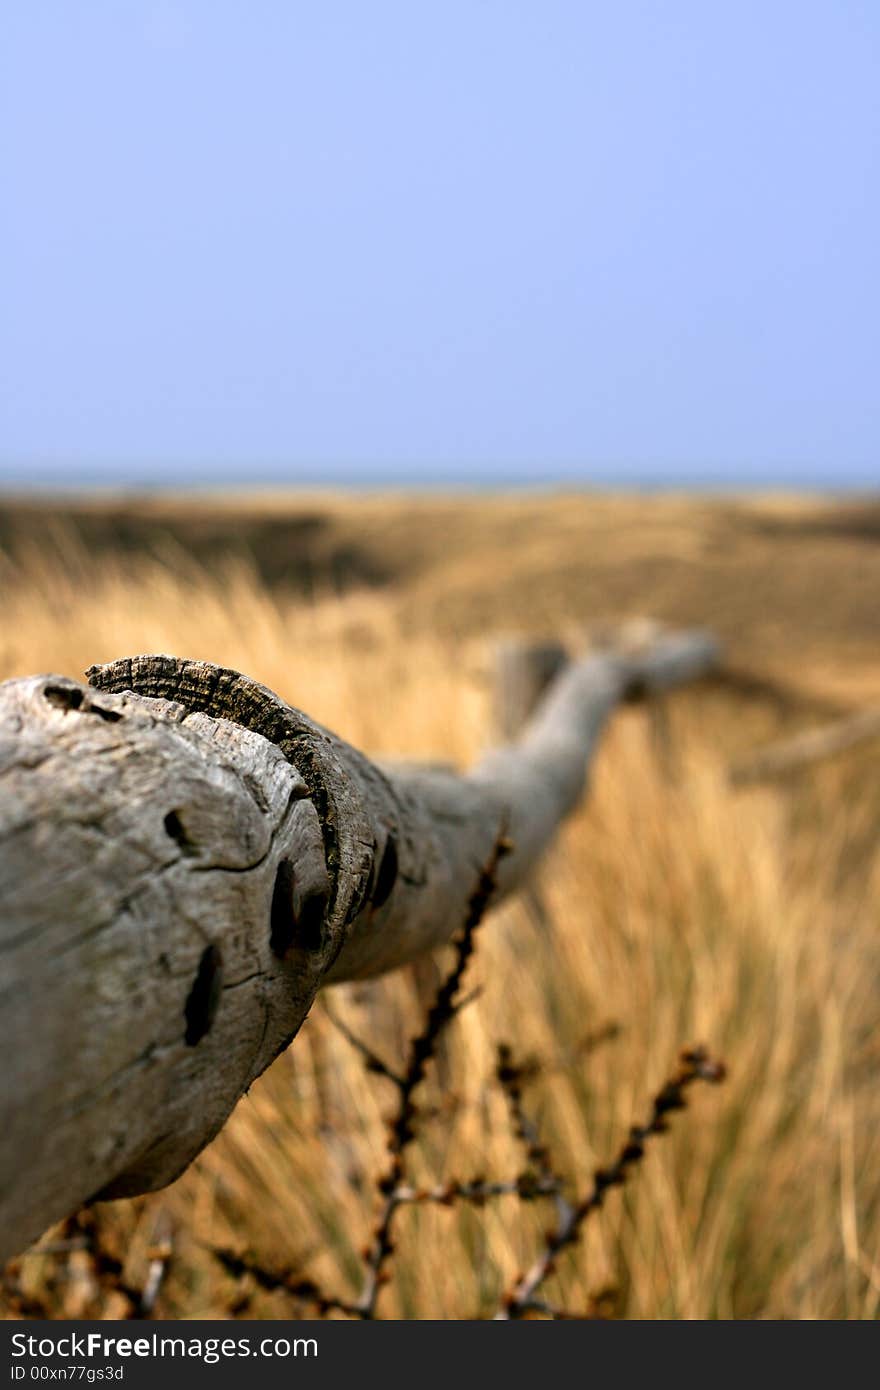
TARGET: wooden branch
(185,860)
(814,746)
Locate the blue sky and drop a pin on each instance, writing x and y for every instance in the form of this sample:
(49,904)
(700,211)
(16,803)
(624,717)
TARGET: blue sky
(481,241)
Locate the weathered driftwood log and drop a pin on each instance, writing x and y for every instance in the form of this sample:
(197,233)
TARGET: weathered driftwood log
(185,860)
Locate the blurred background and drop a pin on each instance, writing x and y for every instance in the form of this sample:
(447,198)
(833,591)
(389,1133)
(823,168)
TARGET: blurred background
(339,341)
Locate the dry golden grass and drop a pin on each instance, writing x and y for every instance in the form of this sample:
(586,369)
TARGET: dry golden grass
(681,909)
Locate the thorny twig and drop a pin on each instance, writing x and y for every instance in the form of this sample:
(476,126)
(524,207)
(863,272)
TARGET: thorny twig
(477,1192)
(539,1181)
(530,1068)
(511,1077)
(696,1065)
(303,1290)
(422,1049)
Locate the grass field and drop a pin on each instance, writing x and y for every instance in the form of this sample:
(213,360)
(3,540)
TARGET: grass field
(677,907)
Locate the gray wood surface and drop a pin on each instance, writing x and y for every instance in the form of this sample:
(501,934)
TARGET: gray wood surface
(185,860)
